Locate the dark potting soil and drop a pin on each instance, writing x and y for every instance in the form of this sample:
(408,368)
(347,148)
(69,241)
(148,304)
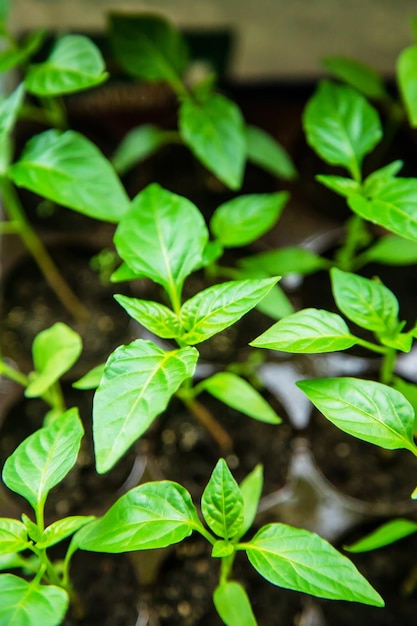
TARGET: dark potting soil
(30,306)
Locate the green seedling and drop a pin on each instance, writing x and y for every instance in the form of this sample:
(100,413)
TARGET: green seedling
(54,352)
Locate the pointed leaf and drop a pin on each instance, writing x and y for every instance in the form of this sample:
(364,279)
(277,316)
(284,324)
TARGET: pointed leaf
(341,126)
(138,382)
(148,47)
(9,110)
(155,317)
(69,169)
(233,605)
(393,205)
(220,306)
(381,176)
(12,57)
(365,409)
(307,331)
(244,219)
(392,250)
(63,528)
(29,604)
(358,75)
(365,302)
(251,490)
(13,536)
(153,515)
(137,145)
(91,380)
(384,535)
(214,130)
(222,503)
(298,559)
(290,260)
(339,184)
(222,549)
(75,63)
(54,350)
(32,529)
(44,458)
(237,393)
(266,152)
(162,237)
(407,80)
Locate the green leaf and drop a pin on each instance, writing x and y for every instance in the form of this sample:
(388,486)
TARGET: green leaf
(244,219)
(407,81)
(222,549)
(9,110)
(162,237)
(139,144)
(251,490)
(138,382)
(358,75)
(276,304)
(155,317)
(214,130)
(300,560)
(220,306)
(63,528)
(264,151)
(153,515)
(69,169)
(12,57)
(386,534)
(30,604)
(222,503)
(307,331)
(399,341)
(289,260)
(149,47)
(233,605)
(32,529)
(44,458)
(74,64)
(339,184)
(392,250)
(237,393)
(91,380)
(392,205)
(409,390)
(13,536)
(54,350)
(365,409)
(341,126)
(381,176)
(365,302)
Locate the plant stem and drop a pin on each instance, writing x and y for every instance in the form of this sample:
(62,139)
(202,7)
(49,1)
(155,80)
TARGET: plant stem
(15,375)
(388,366)
(345,256)
(371,346)
(209,422)
(35,246)
(226,567)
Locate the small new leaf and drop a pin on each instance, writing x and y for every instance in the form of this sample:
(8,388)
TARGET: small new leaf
(13,536)
(251,490)
(155,317)
(233,605)
(307,331)
(264,151)
(386,534)
(45,604)
(222,549)
(222,503)
(358,75)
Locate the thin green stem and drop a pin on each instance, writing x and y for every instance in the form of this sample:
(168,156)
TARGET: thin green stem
(345,256)
(226,567)
(35,246)
(55,112)
(388,366)
(12,374)
(370,346)
(9,228)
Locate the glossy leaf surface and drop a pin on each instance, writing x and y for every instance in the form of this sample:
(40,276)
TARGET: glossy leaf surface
(75,63)
(220,306)
(251,490)
(222,503)
(393,205)
(44,458)
(341,126)
(365,409)
(365,302)
(214,130)
(245,218)
(28,604)
(54,350)
(307,331)
(264,151)
(69,169)
(162,237)
(63,528)
(155,317)
(233,605)
(138,382)
(13,536)
(153,515)
(237,393)
(339,184)
(298,559)
(358,75)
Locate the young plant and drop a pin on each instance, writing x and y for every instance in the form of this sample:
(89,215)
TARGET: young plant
(54,351)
